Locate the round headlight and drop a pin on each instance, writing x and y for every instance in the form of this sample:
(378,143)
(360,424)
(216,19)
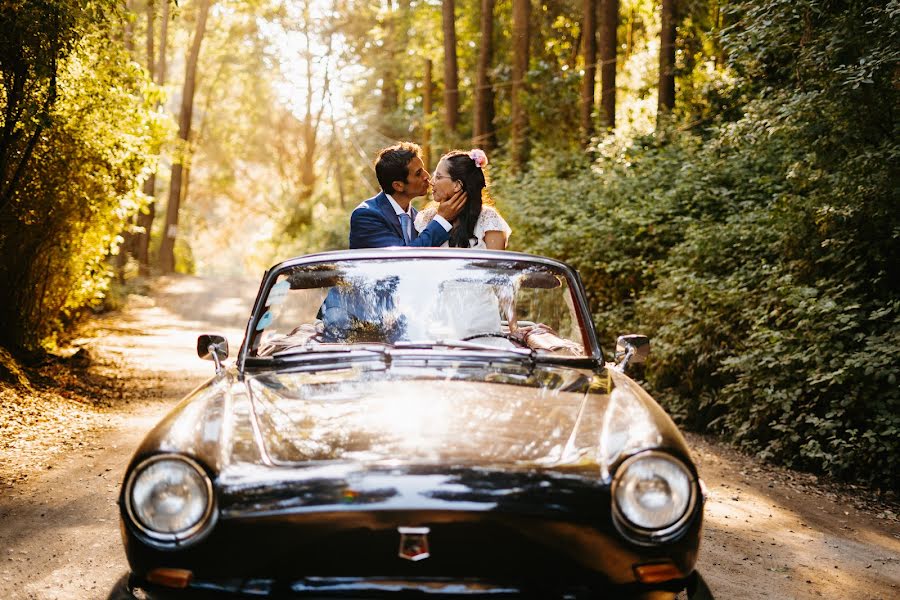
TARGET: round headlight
(169,497)
(653,493)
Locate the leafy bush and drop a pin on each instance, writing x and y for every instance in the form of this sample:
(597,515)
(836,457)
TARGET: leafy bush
(79,158)
(760,252)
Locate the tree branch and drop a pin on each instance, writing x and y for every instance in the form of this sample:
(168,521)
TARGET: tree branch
(6,197)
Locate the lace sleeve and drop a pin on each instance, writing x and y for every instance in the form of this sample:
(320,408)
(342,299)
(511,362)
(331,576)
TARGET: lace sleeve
(424,217)
(490,220)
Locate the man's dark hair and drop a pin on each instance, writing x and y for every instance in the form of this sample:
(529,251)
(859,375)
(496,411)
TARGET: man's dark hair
(392,164)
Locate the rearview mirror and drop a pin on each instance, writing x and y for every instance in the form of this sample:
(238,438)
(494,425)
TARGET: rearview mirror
(632,348)
(213,347)
(316,276)
(539,280)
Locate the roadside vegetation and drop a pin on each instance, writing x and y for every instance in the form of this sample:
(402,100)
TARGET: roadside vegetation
(722,173)
(757,242)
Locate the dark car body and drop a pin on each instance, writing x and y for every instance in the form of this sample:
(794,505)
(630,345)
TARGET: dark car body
(419,470)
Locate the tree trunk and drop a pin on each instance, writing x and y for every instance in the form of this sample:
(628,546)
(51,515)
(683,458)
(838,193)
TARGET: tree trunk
(25,156)
(128,33)
(666,97)
(308,161)
(483,130)
(521,13)
(167,248)
(337,158)
(145,219)
(629,36)
(609,24)
(426,116)
(589,53)
(451,73)
(307,135)
(128,235)
(390,95)
(163,44)
(719,53)
(313,118)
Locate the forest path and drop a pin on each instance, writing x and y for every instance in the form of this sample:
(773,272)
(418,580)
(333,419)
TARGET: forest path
(59,521)
(769,533)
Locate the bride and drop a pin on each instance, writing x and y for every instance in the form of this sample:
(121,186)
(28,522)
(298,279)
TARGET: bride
(467,308)
(478,224)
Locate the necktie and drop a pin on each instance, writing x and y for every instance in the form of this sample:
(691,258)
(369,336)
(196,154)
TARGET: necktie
(405,223)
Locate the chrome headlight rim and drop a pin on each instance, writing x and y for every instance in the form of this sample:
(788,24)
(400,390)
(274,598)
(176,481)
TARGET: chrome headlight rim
(643,535)
(187,536)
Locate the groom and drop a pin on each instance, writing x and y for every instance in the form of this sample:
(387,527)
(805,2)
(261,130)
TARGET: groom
(387,219)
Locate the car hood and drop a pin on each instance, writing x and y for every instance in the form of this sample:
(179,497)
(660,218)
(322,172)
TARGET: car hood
(502,417)
(427,416)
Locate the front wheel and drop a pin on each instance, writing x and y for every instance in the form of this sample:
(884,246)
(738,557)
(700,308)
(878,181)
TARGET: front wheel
(695,590)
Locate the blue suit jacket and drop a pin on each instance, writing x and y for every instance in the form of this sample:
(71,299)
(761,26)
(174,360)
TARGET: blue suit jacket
(374,224)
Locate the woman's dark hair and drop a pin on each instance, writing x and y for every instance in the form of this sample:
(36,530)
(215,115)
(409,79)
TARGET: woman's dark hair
(392,164)
(462,168)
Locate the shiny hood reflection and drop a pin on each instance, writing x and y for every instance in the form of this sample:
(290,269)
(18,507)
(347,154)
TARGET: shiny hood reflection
(445,416)
(498,416)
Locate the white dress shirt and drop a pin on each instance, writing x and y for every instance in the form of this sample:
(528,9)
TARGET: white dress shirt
(399,211)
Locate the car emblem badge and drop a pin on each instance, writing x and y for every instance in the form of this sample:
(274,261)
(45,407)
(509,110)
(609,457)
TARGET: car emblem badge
(413,543)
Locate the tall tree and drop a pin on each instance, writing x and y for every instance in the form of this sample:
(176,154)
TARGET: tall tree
(337,156)
(666,96)
(25,79)
(589,53)
(163,44)
(390,95)
(145,218)
(630,32)
(521,13)
(451,69)
(483,131)
(128,30)
(609,23)
(127,235)
(167,247)
(426,116)
(313,116)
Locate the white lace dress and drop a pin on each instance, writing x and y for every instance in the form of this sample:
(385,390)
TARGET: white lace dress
(466,308)
(488,220)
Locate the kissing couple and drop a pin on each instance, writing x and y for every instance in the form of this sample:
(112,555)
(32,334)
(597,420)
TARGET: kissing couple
(461,214)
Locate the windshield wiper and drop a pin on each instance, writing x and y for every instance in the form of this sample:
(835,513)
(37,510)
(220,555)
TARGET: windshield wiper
(312,351)
(329,348)
(462,345)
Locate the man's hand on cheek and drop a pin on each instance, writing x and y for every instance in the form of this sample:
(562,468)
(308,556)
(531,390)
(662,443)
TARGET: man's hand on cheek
(452,206)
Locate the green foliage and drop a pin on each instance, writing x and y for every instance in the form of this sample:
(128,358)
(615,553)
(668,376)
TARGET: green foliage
(78,181)
(760,249)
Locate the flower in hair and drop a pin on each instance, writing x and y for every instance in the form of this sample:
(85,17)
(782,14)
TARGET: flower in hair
(480,158)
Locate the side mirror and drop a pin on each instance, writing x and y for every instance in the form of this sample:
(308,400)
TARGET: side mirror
(214,348)
(632,348)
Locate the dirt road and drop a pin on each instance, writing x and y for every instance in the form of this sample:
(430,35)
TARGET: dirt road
(770,533)
(59,531)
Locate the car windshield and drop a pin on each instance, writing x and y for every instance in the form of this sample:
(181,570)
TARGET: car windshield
(419,302)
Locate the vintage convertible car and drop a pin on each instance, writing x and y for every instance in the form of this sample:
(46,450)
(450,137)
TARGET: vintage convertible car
(421,423)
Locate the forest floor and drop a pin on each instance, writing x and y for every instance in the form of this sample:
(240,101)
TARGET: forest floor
(68,429)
